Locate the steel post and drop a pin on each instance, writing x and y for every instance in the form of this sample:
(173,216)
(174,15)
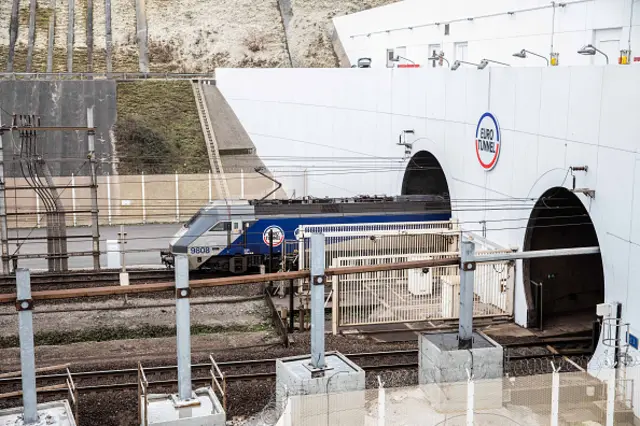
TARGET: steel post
(317,301)
(291,306)
(183,326)
(94,190)
(467,268)
(27,350)
(4,230)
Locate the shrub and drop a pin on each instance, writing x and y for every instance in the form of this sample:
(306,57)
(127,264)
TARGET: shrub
(141,149)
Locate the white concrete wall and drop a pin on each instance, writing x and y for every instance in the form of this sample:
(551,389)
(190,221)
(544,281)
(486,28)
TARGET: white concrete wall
(412,24)
(551,118)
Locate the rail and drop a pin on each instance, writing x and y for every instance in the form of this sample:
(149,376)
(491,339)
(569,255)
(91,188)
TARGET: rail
(215,282)
(278,322)
(105,76)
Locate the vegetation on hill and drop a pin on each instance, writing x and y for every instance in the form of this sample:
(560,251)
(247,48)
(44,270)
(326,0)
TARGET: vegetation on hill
(158,129)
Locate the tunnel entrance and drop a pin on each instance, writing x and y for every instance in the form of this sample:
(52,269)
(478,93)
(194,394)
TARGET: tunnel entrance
(425,176)
(562,292)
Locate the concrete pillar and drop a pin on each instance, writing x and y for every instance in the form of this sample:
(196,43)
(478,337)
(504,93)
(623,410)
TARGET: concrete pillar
(32,33)
(13,33)
(27,349)
(142,36)
(70,35)
(107,23)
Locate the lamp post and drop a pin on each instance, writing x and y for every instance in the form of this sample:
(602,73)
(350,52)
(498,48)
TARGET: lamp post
(485,62)
(523,54)
(457,64)
(590,50)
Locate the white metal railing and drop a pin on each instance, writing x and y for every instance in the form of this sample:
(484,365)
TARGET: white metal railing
(377,239)
(416,294)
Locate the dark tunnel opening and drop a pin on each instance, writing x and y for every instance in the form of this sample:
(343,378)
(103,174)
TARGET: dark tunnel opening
(424,176)
(562,291)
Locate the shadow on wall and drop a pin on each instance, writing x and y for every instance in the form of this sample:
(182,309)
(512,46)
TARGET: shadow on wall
(570,284)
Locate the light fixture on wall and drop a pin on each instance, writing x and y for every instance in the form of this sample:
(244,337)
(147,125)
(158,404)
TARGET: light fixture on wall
(440,58)
(590,50)
(485,62)
(402,141)
(523,54)
(457,64)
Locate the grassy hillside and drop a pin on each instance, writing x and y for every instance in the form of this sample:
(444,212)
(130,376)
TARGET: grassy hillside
(169,109)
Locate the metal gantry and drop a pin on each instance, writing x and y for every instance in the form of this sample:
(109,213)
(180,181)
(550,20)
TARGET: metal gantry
(39,179)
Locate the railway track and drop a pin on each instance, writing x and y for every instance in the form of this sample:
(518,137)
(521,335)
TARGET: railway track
(81,279)
(165,376)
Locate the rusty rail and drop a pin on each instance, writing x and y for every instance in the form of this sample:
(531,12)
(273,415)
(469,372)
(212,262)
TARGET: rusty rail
(216,282)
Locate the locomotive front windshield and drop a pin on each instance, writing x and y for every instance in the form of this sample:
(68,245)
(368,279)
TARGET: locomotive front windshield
(194,218)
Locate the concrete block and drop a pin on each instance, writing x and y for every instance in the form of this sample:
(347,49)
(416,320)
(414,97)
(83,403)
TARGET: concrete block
(55,413)
(443,371)
(338,395)
(162,411)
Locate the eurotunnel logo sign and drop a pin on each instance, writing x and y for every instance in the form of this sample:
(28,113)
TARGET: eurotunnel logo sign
(278,235)
(488,141)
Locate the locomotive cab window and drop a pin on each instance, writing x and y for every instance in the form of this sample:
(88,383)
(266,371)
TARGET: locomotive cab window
(193,218)
(221,226)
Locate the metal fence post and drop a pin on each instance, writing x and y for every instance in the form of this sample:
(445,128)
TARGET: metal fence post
(317,301)
(467,268)
(470,398)
(209,182)
(183,321)
(381,399)
(177,199)
(241,184)
(24,305)
(73,199)
(555,395)
(109,197)
(144,201)
(611,397)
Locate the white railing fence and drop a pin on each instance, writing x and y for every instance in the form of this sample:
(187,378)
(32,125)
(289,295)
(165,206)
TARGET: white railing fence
(416,294)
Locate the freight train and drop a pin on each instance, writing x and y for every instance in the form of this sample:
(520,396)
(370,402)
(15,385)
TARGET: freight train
(239,236)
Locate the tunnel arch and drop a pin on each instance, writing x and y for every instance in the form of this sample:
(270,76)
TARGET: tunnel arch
(561,288)
(425,176)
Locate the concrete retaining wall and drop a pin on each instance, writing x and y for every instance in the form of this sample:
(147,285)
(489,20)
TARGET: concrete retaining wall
(61,103)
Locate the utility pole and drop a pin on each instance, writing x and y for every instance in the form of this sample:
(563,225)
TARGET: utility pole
(94,188)
(4,234)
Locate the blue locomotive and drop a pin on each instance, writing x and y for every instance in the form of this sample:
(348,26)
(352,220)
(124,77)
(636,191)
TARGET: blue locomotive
(238,236)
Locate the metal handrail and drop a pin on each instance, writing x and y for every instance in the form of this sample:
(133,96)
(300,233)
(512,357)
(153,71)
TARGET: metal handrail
(73,395)
(143,398)
(215,380)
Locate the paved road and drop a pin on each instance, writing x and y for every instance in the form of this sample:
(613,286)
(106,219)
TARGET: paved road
(143,246)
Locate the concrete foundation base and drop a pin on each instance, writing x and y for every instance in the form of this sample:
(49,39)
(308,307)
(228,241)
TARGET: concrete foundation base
(162,411)
(444,371)
(55,413)
(335,397)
